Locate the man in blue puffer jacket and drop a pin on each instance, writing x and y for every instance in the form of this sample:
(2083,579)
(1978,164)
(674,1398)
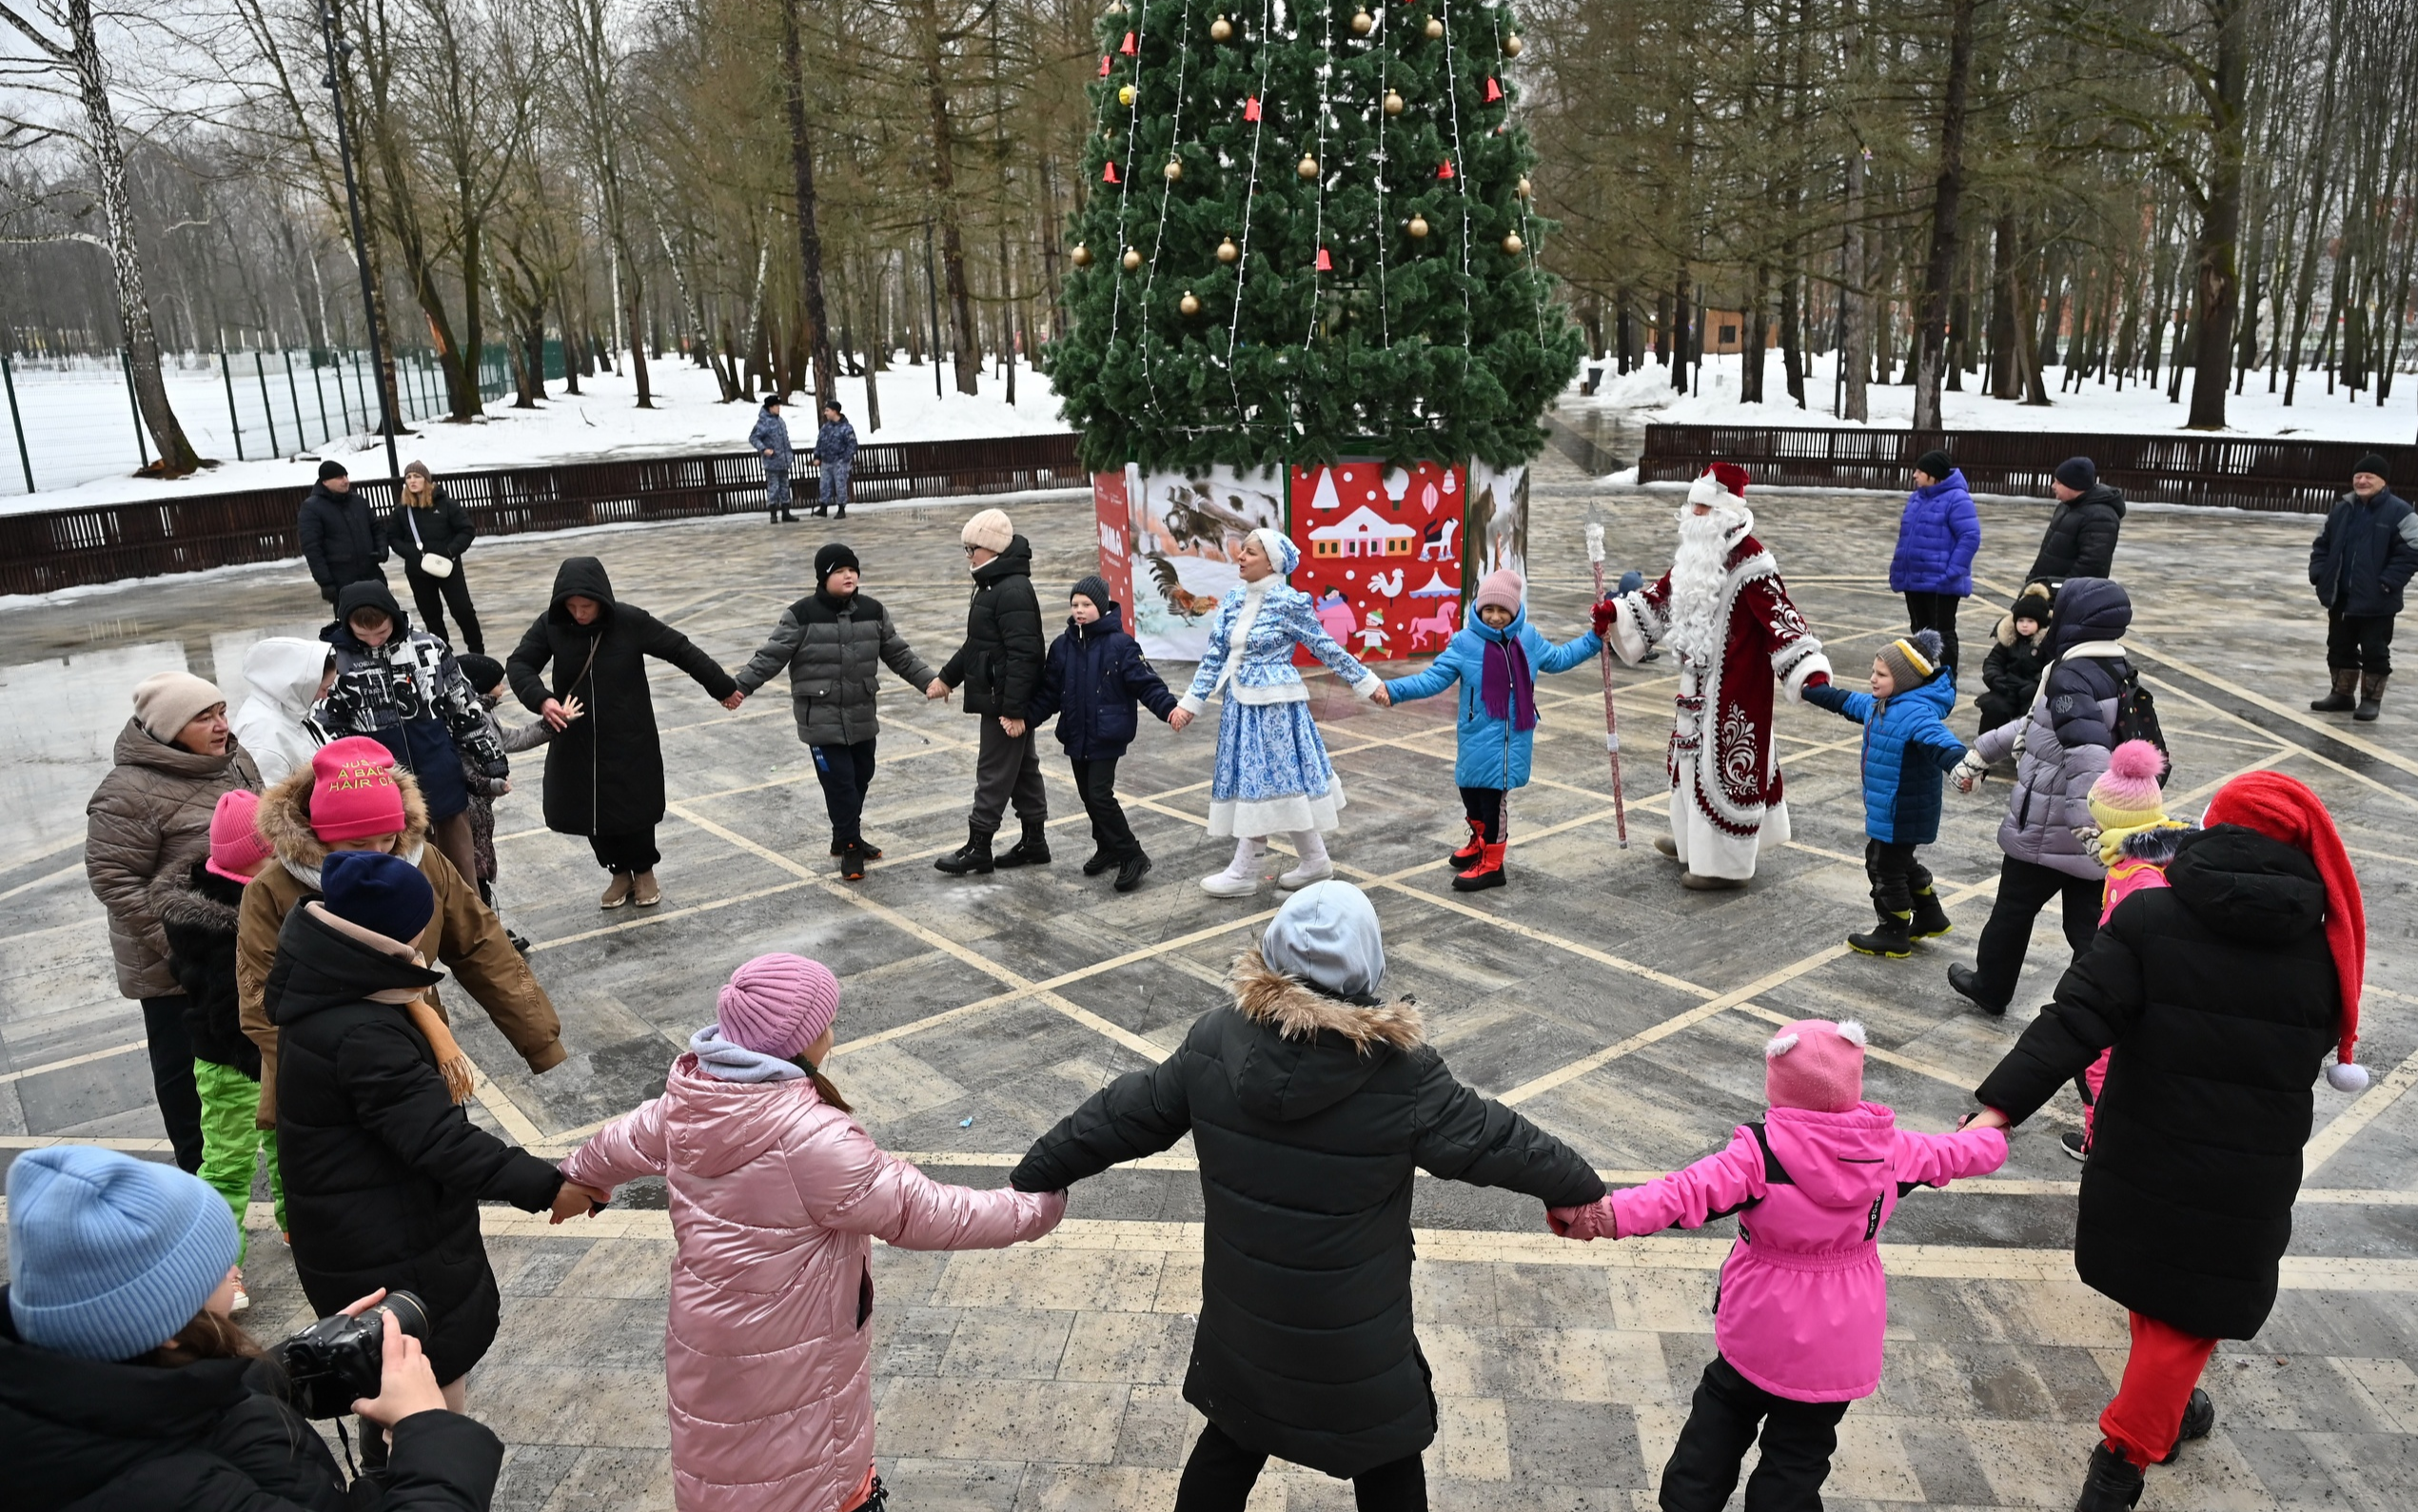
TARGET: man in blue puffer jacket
(1095,676)
(1936,538)
(1908,750)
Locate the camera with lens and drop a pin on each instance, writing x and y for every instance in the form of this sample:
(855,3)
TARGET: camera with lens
(337,1361)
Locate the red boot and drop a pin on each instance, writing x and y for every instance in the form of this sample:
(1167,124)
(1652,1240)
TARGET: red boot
(1467,855)
(1485,873)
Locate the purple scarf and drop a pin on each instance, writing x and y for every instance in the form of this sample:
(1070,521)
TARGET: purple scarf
(1509,686)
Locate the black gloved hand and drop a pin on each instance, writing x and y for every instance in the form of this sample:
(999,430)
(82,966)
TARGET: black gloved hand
(498,768)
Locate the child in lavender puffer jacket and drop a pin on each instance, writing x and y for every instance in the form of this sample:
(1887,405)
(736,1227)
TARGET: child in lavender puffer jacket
(777,1197)
(1802,1303)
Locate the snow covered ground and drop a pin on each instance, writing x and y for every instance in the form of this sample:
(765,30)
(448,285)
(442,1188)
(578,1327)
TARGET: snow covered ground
(78,427)
(1645,394)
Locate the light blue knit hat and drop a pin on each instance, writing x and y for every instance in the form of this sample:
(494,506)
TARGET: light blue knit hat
(110,1256)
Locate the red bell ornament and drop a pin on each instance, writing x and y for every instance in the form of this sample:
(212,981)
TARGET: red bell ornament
(1127,47)
(1445,171)
(1250,107)
(1325,264)
(1494,91)
(1107,174)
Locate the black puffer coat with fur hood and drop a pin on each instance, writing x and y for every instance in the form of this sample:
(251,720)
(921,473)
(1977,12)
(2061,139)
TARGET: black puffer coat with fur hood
(198,909)
(1310,1115)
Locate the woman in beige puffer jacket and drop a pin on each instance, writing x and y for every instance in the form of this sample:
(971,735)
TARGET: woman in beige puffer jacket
(171,761)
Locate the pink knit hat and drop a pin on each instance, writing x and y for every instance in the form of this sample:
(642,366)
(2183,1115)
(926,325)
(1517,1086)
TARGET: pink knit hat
(352,791)
(237,848)
(1816,1065)
(1500,589)
(778,1005)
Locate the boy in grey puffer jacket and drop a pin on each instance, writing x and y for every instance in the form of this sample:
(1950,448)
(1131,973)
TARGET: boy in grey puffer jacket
(2066,740)
(835,642)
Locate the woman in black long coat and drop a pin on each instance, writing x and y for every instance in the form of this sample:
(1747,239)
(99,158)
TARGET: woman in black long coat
(604,772)
(2220,994)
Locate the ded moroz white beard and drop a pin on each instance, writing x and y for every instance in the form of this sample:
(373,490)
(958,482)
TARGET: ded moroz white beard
(1696,576)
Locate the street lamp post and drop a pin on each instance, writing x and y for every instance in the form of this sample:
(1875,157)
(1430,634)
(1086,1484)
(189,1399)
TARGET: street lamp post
(335,83)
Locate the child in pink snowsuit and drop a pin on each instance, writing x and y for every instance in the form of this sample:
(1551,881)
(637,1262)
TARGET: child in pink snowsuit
(777,1197)
(1802,1303)
(2135,840)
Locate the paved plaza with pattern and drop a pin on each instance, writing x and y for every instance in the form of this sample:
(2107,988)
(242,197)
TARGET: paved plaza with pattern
(1593,993)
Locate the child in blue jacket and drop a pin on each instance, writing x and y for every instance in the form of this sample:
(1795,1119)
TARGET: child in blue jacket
(1095,677)
(1497,660)
(1908,750)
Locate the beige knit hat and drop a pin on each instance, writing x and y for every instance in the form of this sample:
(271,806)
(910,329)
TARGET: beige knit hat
(165,702)
(990,530)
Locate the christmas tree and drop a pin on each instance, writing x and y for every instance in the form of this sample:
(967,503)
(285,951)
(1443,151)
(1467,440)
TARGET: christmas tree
(1308,233)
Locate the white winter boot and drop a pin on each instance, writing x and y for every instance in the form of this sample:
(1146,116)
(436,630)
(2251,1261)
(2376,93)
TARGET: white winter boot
(1315,866)
(1240,876)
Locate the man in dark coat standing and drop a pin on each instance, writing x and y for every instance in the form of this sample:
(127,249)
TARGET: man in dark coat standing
(341,538)
(1312,1103)
(2080,541)
(2359,564)
(999,666)
(2220,994)
(604,770)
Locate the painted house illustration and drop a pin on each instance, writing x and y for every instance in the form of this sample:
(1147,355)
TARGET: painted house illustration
(1363,532)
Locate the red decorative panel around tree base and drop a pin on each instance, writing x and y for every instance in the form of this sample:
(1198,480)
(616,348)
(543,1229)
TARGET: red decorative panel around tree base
(1381,554)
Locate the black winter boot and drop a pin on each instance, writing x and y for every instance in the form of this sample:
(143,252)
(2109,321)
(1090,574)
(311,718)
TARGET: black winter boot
(2343,697)
(852,862)
(1101,862)
(1930,920)
(1131,872)
(2112,1484)
(975,856)
(1968,984)
(2371,697)
(2199,1420)
(1033,850)
(1887,938)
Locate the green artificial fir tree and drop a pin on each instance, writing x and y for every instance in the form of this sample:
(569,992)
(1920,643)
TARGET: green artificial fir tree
(1308,233)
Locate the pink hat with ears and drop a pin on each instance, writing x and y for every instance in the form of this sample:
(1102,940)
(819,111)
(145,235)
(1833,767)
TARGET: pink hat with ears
(1816,1065)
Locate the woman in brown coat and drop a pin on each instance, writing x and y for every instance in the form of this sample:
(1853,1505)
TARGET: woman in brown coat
(173,760)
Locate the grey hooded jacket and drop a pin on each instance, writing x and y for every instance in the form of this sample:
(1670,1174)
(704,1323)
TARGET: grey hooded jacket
(2069,732)
(835,650)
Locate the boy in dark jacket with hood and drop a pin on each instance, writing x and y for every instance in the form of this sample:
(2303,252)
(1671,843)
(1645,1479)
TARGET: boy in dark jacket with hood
(1908,749)
(999,666)
(2359,564)
(1312,1102)
(2080,541)
(2011,673)
(383,1169)
(1095,676)
(771,440)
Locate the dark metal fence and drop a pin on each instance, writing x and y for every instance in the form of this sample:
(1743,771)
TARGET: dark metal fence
(2291,476)
(66,548)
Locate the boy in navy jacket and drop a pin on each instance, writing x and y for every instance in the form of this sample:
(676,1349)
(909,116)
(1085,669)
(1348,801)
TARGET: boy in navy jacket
(1094,678)
(1908,750)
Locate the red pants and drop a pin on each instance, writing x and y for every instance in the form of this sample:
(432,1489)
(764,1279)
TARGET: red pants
(2164,1364)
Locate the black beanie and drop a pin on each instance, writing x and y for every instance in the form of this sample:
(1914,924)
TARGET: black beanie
(331,468)
(1096,588)
(834,556)
(2035,602)
(2076,473)
(1935,462)
(2373,462)
(484,672)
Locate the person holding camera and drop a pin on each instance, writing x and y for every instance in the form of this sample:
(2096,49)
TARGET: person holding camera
(383,1169)
(125,1382)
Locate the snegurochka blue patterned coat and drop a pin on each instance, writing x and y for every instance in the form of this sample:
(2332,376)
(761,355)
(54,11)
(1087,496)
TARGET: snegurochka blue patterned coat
(1268,748)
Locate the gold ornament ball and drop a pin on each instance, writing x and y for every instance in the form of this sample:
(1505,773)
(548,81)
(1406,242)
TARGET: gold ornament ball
(1435,29)
(1174,170)
(1309,167)
(1133,260)
(1511,45)
(1393,102)
(1228,251)
(1189,304)
(1081,256)
(1221,30)
(1124,95)
(1116,7)
(1513,244)
(1418,227)
(1524,191)
(1363,23)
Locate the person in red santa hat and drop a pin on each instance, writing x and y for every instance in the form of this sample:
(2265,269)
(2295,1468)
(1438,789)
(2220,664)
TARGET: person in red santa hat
(2220,994)
(1723,609)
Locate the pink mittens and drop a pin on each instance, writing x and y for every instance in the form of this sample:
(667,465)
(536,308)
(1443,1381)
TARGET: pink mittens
(1593,1221)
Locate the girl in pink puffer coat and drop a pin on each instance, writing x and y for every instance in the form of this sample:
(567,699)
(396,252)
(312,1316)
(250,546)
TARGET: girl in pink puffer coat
(1802,1303)
(777,1197)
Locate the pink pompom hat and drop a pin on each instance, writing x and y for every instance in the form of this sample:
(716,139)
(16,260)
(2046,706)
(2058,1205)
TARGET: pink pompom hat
(2127,795)
(1816,1065)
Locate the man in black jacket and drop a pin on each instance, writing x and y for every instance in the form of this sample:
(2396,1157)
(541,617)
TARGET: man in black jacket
(340,540)
(1311,1103)
(2359,564)
(2080,541)
(999,666)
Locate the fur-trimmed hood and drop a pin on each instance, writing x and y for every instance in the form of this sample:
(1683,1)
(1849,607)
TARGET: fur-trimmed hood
(1312,1050)
(2007,635)
(1285,1004)
(188,895)
(285,822)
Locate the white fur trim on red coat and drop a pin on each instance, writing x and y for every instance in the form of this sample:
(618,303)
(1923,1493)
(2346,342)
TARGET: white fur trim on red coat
(1793,681)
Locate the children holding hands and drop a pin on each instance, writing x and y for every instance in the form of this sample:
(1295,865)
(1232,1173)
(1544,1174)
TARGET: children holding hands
(1095,676)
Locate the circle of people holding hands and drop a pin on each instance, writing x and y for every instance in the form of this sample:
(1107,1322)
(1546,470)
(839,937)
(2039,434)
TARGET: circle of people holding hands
(289,891)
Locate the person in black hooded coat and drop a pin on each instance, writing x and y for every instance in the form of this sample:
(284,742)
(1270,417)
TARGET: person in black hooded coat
(604,772)
(1311,1104)
(383,1169)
